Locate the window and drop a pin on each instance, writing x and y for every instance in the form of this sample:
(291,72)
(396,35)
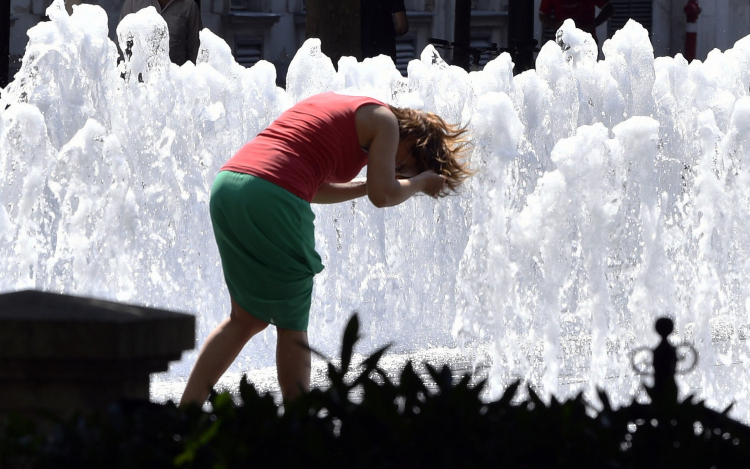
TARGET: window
(251,5)
(406,50)
(639,10)
(248,49)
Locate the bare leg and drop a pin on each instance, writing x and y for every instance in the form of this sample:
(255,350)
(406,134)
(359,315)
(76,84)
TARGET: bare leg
(292,362)
(219,351)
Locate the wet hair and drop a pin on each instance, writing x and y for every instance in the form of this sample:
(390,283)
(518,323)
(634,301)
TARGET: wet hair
(438,145)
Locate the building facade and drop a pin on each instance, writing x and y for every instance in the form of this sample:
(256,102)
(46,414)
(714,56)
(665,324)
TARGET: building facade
(273,30)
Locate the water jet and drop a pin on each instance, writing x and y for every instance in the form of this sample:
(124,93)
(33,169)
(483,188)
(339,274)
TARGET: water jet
(609,193)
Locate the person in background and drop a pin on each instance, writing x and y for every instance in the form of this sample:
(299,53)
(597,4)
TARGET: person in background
(552,14)
(381,22)
(263,223)
(183,19)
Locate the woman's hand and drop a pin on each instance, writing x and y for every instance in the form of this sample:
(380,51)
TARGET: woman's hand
(431,182)
(377,129)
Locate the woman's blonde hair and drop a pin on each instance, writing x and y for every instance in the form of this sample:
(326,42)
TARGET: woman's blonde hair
(438,145)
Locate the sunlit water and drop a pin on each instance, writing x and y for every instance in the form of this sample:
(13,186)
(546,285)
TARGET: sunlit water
(608,193)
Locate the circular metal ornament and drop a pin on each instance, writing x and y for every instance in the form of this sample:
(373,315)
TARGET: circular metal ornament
(642,361)
(686,351)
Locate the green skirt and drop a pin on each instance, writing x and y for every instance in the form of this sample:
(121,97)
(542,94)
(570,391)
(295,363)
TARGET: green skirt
(266,241)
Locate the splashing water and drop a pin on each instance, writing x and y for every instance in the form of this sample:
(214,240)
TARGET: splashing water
(608,193)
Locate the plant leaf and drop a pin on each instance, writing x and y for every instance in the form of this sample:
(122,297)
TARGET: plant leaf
(605,399)
(248,393)
(370,364)
(443,378)
(509,393)
(372,361)
(319,354)
(535,397)
(351,336)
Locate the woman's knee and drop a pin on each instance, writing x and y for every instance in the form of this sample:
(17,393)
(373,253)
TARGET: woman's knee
(246,320)
(292,336)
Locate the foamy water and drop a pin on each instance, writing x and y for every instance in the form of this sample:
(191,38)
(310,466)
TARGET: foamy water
(608,193)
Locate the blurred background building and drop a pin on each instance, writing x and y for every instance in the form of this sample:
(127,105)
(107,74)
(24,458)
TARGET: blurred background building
(273,30)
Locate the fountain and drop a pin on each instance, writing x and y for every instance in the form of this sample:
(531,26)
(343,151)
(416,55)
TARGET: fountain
(609,193)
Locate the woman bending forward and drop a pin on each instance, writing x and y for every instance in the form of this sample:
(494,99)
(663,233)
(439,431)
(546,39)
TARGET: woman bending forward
(260,210)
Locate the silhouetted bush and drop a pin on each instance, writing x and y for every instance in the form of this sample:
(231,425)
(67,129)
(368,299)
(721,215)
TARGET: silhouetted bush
(388,425)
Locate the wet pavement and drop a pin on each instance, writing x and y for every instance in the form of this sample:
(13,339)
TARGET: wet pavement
(264,379)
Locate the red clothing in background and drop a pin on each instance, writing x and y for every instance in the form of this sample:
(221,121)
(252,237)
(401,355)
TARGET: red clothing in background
(313,142)
(580,11)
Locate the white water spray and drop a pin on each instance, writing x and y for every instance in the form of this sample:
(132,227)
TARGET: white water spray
(608,193)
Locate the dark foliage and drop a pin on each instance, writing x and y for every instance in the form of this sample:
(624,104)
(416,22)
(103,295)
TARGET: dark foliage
(390,424)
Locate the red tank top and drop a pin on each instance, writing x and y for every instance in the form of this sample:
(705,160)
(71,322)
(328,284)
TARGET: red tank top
(313,142)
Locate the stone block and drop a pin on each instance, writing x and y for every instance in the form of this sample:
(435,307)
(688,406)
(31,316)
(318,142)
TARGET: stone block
(63,353)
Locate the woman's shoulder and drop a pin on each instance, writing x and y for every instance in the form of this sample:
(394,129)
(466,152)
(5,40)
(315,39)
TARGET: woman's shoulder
(334,106)
(361,99)
(332,98)
(372,120)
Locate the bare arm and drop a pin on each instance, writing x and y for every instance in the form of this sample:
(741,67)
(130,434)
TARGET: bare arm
(378,126)
(332,193)
(400,23)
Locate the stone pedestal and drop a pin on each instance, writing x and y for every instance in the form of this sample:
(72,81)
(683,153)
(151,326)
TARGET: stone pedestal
(62,353)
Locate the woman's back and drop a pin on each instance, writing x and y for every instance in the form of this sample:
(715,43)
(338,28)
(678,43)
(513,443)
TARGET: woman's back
(313,142)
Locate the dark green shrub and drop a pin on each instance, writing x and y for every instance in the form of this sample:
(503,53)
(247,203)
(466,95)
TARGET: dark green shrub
(392,424)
